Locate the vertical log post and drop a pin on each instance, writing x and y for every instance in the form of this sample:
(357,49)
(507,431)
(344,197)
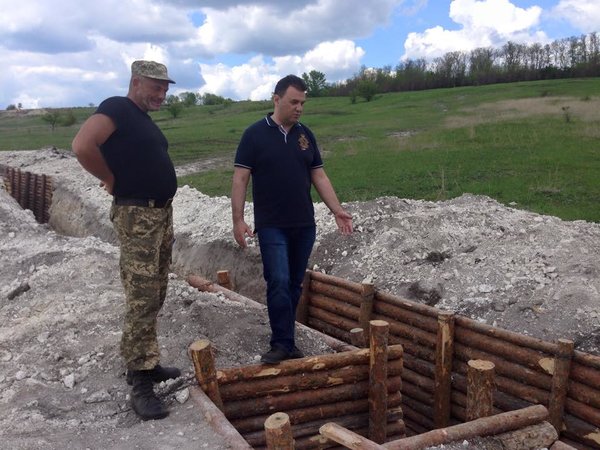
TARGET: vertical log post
(302,308)
(279,432)
(366,308)
(357,337)
(443,369)
(377,380)
(480,389)
(224,280)
(204,368)
(560,383)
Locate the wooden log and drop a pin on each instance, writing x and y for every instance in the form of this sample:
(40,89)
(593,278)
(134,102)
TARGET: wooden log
(585,374)
(533,359)
(204,368)
(328,329)
(378,365)
(335,281)
(586,359)
(418,380)
(424,368)
(425,421)
(305,299)
(357,337)
(332,319)
(396,313)
(506,335)
(352,422)
(331,291)
(413,391)
(485,426)
(443,369)
(409,332)
(215,419)
(559,445)
(417,351)
(540,435)
(580,431)
(348,438)
(335,306)
(422,408)
(510,386)
(284,402)
(583,411)
(224,280)
(309,380)
(312,413)
(480,388)
(278,432)
(420,308)
(560,382)
(366,308)
(413,428)
(504,367)
(299,366)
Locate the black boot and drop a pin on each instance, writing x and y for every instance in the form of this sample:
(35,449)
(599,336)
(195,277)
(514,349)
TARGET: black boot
(158,374)
(143,399)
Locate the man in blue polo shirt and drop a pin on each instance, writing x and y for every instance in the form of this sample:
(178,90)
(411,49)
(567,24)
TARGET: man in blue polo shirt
(282,157)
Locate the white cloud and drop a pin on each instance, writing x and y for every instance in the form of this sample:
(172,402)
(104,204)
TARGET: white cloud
(256,79)
(582,14)
(483,23)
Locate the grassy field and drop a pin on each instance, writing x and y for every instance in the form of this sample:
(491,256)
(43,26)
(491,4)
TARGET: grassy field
(536,144)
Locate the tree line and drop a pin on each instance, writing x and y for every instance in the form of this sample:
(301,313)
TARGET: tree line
(572,57)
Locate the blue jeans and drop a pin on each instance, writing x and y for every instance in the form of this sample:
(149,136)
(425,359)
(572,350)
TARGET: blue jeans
(285,253)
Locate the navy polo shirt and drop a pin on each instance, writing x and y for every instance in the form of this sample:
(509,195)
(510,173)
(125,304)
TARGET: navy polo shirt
(281,166)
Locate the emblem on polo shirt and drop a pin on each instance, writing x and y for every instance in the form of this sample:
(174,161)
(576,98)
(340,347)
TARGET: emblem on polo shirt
(303,142)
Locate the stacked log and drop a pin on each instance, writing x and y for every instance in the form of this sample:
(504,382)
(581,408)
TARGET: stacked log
(31,191)
(528,371)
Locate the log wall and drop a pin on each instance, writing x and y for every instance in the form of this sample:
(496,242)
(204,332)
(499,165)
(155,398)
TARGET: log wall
(30,190)
(528,371)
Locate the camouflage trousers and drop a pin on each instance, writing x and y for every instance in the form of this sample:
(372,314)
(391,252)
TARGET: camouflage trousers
(146,241)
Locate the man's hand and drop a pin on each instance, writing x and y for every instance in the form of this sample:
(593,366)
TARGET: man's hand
(343,221)
(240,231)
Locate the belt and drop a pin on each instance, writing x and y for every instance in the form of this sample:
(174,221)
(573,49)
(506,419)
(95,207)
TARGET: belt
(148,203)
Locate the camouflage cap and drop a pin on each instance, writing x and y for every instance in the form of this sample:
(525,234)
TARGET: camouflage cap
(150,69)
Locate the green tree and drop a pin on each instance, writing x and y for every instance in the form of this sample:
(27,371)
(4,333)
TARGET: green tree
(214,99)
(174,105)
(189,98)
(315,82)
(367,89)
(52,117)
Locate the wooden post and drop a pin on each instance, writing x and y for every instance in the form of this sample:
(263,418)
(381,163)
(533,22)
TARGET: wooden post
(378,398)
(443,369)
(204,368)
(480,386)
(348,438)
(302,308)
(279,432)
(357,337)
(224,280)
(560,383)
(366,307)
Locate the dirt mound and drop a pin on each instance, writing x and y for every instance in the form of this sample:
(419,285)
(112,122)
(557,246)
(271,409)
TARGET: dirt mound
(62,380)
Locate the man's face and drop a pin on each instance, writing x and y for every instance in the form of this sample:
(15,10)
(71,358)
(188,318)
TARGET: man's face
(150,93)
(289,107)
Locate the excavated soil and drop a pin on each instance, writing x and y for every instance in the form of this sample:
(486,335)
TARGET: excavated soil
(61,378)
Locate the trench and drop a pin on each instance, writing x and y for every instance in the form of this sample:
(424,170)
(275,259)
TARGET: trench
(427,389)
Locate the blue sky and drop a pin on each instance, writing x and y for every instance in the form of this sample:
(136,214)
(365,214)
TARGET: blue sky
(65,53)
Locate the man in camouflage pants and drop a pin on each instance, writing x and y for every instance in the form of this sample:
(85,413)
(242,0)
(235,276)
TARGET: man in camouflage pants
(122,146)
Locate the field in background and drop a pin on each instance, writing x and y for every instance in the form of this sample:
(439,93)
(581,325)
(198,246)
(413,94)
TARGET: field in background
(533,145)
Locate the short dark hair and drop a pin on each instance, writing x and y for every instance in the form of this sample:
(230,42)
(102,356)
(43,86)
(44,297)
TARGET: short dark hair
(287,81)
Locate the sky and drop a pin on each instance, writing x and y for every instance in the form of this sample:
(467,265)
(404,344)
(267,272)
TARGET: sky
(68,53)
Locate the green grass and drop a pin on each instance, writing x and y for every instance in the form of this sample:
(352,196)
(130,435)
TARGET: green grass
(535,144)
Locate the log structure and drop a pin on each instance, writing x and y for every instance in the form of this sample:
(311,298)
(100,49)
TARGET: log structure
(32,191)
(283,406)
(438,347)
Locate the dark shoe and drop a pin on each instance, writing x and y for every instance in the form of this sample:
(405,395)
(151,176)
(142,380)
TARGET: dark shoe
(275,356)
(144,401)
(296,353)
(158,374)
